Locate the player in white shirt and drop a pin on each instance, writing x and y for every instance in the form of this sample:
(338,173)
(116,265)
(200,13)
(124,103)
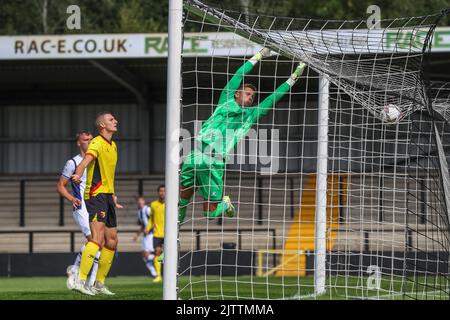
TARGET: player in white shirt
(80,214)
(146,227)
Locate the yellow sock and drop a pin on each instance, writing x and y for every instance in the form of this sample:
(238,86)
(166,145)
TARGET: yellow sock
(157,266)
(104,264)
(87,259)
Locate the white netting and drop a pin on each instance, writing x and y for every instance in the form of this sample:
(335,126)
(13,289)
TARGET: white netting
(345,51)
(387,222)
(440,93)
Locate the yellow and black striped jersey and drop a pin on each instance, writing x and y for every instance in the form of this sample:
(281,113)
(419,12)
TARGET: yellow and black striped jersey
(101,171)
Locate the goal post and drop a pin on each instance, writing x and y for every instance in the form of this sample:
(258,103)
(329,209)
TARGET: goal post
(354,205)
(321,188)
(172,150)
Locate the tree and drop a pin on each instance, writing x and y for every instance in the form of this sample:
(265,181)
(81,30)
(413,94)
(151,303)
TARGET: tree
(124,16)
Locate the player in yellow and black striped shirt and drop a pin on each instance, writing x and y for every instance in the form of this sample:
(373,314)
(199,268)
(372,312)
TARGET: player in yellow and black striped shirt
(100,171)
(100,160)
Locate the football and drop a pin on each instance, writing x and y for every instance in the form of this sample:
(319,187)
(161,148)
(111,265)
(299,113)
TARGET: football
(390,113)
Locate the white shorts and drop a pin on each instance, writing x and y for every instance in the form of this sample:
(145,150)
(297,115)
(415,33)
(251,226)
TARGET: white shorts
(81,217)
(147,243)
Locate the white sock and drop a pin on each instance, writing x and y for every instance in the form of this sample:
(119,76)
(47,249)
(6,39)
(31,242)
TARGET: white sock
(78,259)
(94,269)
(149,263)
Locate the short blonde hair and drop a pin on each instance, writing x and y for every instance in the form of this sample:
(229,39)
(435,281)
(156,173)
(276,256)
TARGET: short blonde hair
(100,116)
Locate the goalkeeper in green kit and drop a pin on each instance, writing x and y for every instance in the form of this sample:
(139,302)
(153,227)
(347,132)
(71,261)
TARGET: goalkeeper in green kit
(230,122)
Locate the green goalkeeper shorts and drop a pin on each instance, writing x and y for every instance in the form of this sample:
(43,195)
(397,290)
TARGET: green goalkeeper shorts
(205,173)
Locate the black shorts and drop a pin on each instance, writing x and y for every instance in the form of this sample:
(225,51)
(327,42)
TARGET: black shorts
(101,208)
(158,242)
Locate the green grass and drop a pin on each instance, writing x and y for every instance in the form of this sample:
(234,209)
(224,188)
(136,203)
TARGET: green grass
(338,288)
(49,288)
(142,288)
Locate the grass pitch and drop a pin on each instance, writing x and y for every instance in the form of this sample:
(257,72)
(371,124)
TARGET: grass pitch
(142,288)
(54,288)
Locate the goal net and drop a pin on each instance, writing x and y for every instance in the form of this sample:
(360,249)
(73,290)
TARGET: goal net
(336,171)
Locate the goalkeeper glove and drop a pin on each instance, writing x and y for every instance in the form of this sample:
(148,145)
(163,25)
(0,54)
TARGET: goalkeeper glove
(264,53)
(297,73)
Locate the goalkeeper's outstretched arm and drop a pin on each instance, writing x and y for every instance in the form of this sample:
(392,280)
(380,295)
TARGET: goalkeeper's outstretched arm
(235,82)
(264,107)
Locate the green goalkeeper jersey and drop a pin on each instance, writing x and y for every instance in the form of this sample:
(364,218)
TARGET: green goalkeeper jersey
(230,122)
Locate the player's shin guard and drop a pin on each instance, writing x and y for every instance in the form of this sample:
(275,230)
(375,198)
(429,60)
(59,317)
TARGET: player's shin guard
(104,264)
(221,207)
(182,207)
(87,259)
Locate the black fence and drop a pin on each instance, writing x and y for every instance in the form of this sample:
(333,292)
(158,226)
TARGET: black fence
(198,235)
(61,219)
(260,181)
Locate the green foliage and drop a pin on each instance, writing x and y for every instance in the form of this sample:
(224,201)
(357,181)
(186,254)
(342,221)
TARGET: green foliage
(356,9)
(99,16)
(136,16)
(337,9)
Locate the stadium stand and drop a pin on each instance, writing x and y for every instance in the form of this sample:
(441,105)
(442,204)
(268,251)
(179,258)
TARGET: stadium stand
(42,207)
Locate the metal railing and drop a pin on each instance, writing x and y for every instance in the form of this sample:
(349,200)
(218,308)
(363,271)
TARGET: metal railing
(240,232)
(198,235)
(23,182)
(292,202)
(61,212)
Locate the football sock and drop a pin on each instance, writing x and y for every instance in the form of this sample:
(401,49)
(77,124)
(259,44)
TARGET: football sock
(87,259)
(157,267)
(182,205)
(149,263)
(78,259)
(94,269)
(104,264)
